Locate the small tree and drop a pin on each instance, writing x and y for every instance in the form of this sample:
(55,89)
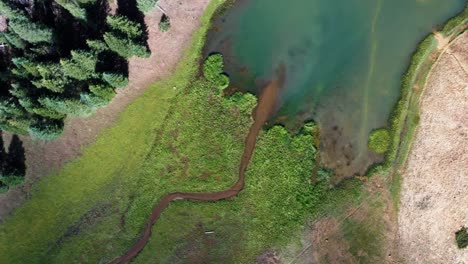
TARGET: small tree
(165,23)
(461,236)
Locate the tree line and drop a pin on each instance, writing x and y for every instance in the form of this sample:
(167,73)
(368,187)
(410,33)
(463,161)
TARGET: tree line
(62,58)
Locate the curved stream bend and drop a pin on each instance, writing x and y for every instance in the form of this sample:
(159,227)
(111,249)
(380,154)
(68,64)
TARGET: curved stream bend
(266,105)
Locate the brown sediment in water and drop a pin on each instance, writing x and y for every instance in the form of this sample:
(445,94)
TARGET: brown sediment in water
(266,106)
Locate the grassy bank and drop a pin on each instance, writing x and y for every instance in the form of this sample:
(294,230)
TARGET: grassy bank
(405,116)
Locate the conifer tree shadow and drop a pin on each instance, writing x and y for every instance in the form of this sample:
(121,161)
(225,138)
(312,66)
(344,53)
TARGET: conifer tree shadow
(129,9)
(12,163)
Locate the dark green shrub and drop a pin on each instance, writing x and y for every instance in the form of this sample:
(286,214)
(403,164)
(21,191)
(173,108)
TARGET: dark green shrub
(46,129)
(461,236)
(164,24)
(115,80)
(379,140)
(213,70)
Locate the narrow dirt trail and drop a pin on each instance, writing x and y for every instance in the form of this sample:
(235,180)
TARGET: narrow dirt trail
(265,107)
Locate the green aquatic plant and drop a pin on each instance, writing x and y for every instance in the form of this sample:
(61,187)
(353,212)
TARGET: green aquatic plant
(213,70)
(379,140)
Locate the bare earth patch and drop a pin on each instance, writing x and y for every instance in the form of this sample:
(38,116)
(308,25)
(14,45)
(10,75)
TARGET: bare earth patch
(434,194)
(166,49)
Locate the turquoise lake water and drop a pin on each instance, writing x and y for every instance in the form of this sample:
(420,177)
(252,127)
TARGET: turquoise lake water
(344,60)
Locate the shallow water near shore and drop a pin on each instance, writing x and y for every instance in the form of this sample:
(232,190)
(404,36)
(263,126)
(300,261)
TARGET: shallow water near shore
(344,61)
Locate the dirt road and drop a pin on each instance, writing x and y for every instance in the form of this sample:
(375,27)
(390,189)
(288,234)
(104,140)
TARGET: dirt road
(265,107)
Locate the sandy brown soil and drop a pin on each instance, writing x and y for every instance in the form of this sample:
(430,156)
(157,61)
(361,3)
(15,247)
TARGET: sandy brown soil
(166,50)
(434,195)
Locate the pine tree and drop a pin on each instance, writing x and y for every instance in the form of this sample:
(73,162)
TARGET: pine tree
(12,39)
(97,46)
(103,91)
(81,66)
(46,129)
(66,106)
(146,5)
(52,77)
(29,31)
(124,37)
(73,7)
(123,25)
(115,80)
(124,46)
